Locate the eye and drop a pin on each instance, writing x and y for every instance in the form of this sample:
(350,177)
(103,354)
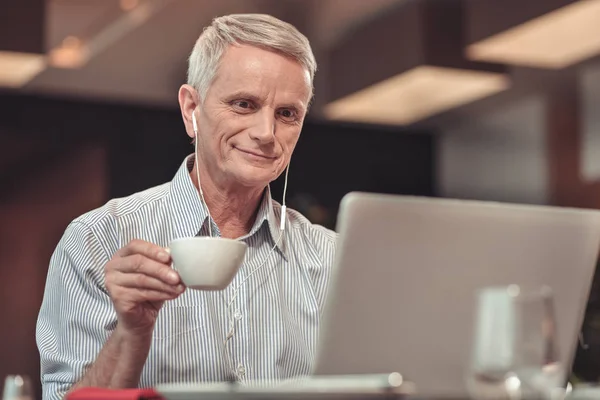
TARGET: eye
(288,115)
(243,105)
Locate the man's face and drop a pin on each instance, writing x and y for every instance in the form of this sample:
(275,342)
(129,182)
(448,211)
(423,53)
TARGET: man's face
(251,117)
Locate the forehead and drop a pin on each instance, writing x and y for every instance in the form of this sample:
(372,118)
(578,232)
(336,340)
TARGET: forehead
(264,73)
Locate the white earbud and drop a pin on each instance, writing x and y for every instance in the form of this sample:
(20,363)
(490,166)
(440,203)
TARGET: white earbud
(283,214)
(283,206)
(194,124)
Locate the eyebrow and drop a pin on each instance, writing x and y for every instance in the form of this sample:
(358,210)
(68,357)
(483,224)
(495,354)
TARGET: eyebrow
(244,95)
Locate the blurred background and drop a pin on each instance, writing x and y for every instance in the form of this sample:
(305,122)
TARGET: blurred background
(478,99)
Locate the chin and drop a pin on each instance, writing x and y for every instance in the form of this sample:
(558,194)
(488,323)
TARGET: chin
(254,177)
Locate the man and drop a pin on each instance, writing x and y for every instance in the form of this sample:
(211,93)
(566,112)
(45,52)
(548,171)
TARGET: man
(116,315)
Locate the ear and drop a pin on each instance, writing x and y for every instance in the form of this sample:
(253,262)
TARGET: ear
(188,102)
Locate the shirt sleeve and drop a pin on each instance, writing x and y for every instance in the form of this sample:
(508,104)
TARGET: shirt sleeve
(77,316)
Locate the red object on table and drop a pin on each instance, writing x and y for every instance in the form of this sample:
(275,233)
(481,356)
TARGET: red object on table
(91,393)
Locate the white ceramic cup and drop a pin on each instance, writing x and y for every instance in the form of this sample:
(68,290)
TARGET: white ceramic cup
(206,263)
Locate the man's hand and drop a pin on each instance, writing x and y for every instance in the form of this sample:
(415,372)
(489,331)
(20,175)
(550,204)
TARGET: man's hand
(139,279)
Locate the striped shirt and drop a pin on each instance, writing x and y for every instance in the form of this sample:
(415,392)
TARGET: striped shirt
(274,315)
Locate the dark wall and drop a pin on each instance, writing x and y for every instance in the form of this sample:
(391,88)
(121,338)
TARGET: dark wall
(332,160)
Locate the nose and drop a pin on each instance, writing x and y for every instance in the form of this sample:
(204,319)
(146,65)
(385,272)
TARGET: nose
(264,130)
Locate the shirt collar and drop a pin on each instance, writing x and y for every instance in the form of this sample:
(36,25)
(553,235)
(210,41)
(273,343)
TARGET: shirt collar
(190,214)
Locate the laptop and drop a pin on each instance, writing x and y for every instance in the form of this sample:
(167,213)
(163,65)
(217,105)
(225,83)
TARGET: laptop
(403,292)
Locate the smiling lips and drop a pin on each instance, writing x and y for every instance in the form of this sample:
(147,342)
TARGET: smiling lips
(257,154)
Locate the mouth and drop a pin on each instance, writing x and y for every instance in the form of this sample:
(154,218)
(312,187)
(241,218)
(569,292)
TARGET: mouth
(257,154)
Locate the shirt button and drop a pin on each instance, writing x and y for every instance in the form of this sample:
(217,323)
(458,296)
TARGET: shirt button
(237,315)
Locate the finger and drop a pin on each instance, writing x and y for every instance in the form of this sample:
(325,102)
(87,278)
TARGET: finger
(147,249)
(141,295)
(142,265)
(142,281)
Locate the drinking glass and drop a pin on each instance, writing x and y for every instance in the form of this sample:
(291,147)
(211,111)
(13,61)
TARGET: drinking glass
(515,349)
(17,387)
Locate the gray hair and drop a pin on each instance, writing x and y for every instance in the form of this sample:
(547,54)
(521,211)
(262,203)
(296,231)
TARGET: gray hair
(258,30)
